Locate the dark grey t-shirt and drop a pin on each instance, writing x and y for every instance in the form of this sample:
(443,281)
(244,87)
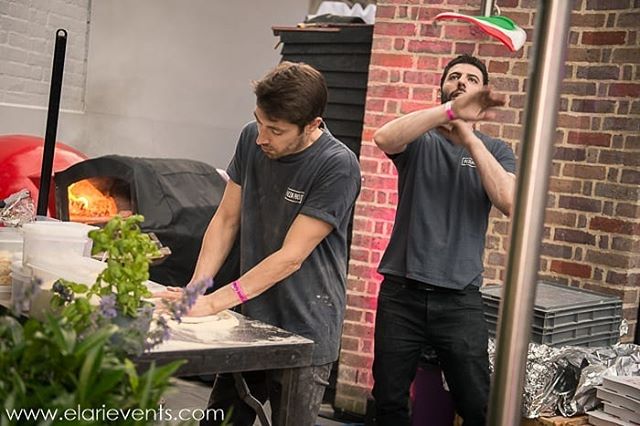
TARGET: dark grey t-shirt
(441,219)
(323,182)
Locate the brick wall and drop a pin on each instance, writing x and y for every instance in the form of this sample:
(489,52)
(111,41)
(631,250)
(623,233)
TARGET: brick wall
(27,37)
(592,230)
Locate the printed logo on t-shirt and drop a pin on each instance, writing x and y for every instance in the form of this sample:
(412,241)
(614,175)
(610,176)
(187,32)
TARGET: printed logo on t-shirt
(468,161)
(294,196)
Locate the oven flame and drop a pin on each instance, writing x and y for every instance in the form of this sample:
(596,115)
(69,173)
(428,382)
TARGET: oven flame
(88,204)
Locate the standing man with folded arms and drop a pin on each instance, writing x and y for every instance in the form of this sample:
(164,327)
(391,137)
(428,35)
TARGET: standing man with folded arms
(449,176)
(290,196)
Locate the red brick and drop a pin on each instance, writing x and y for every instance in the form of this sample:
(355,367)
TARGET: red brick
(598,106)
(580,203)
(629,20)
(584,171)
(407,107)
(624,89)
(604,38)
(421,77)
(378,75)
(595,72)
(391,60)
(618,157)
(497,50)
(430,30)
(394,28)
(574,121)
(499,67)
(385,11)
(621,123)
(628,210)
(565,185)
(574,236)
(555,217)
(569,154)
(618,192)
(462,48)
(623,278)
(593,20)
(608,259)
(589,138)
(398,44)
(607,5)
(556,250)
(625,244)
(429,46)
(388,91)
(577,54)
(428,63)
(626,56)
(461,31)
(630,176)
(571,268)
(362,302)
(381,44)
(578,88)
(375,105)
(614,226)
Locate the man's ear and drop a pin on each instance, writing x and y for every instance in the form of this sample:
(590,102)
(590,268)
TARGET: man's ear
(440,94)
(313,125)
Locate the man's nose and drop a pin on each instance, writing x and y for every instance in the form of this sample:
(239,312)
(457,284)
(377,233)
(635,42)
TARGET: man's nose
(261,140)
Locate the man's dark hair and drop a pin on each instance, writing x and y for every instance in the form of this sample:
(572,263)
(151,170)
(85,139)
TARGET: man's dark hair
(294,92)
(466,59)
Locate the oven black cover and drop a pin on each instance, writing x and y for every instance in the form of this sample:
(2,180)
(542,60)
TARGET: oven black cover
(177,198)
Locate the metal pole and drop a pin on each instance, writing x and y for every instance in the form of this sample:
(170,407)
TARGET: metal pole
(486,8)
(514,325)
(52,121)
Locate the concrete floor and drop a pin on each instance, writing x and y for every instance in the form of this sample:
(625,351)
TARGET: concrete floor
(194,394)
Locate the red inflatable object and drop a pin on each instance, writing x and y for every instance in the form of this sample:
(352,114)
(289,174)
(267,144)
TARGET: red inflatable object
(21,163)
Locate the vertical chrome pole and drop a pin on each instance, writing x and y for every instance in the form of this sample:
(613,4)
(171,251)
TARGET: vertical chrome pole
(486,8)
(514,325)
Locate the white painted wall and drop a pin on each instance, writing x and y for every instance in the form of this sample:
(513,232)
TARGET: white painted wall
(164,78)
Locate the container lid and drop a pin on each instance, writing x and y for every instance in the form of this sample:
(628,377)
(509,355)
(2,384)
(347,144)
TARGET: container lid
(58,229)
(73,268)
(558,297)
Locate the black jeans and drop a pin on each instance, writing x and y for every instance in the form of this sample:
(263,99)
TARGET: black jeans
(409,318)
(264,385)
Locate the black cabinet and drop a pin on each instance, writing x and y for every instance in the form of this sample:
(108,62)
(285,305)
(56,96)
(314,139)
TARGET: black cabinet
(341,53)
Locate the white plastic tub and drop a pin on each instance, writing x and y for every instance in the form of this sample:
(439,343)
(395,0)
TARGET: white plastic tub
(82,270)
(55,241)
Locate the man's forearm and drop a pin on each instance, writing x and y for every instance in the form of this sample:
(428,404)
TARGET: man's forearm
(395,135)
(256,281)
(497,182)
(216,245)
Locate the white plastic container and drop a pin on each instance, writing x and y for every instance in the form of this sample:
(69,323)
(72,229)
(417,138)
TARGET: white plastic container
(20,280)
(54,241)
(10,244)
(82,270)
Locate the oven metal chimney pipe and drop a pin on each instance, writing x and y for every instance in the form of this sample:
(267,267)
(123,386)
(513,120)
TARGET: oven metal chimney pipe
(514,324)
(52,121)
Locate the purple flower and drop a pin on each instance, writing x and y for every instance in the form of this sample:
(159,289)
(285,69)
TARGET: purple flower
(189,296)
(108,306)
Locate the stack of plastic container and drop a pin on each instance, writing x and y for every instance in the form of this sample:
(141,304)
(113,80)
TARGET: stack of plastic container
(10,250)
(565,316)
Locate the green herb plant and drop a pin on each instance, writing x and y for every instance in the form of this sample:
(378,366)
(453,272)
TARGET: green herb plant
(128,252)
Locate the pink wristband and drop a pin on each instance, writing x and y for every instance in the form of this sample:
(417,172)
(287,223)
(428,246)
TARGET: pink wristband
(448,108)
(235,286)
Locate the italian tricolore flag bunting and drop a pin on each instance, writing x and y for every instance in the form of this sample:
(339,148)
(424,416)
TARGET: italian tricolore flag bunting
(500,27)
